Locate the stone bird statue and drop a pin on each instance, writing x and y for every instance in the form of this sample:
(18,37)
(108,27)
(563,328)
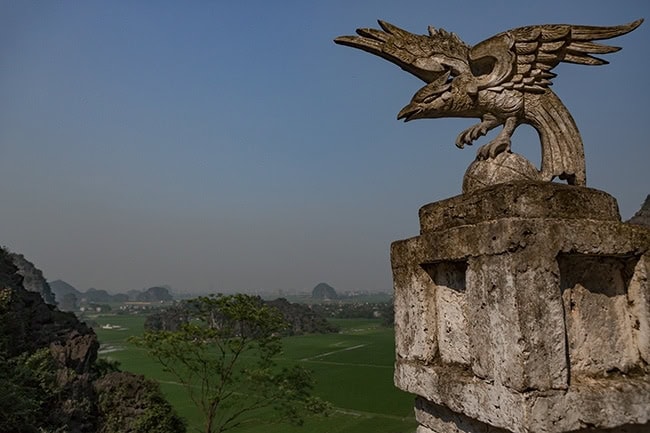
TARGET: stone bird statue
(503,80)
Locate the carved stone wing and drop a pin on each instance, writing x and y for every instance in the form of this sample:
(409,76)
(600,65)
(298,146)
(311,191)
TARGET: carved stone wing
(523,58)
(426,56)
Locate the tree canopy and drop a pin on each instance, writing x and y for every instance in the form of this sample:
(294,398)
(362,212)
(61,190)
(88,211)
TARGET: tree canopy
(224,357)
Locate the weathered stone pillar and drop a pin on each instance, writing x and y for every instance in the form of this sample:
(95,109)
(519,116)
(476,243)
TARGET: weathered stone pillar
(525,307)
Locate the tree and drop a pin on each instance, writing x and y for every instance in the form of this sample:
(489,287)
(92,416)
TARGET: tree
(301,319)
(224,357)
(27,388)
(169,319)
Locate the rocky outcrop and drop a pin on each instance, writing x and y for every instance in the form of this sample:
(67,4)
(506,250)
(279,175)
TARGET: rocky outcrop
(130,403)
(28,326)
(58,354)
(642,217)
(33,279)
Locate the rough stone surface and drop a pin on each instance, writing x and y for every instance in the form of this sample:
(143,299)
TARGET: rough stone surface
(33,279)
(517,338)
(416,317)
(439,419)
(639,303)
(77,352)
(525,307)
(452,326)
(519,200)
(505,167)
(29,324)
(642,217)
(594,291)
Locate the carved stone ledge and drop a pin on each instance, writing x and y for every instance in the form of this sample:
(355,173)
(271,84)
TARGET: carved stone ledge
(526,307)
(523,199)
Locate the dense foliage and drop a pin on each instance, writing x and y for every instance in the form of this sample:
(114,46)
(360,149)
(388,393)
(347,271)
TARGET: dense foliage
(225,358)
(352,310)
(28,391)
(170,318)
(299,318)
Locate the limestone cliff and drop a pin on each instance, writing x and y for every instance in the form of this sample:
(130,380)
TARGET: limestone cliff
(642,217)
(33,279)
(29,326)
(48,368)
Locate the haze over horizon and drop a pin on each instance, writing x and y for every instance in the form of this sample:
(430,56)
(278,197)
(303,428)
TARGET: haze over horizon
(233,146)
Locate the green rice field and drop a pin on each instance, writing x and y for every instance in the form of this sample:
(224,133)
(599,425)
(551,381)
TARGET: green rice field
(353,371)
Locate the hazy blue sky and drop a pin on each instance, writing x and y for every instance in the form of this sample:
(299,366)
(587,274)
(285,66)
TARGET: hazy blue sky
(214,145)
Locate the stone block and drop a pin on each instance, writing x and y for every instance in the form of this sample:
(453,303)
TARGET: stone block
(520,200)
(415,315)
(598,323)
(440,419)
(518,336)
(638,295)
(451,310)
(525,307)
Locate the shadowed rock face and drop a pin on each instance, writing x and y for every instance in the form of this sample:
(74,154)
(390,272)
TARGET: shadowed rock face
(642,217)
(127,398)
(31,324)
(33,279)
(28,325)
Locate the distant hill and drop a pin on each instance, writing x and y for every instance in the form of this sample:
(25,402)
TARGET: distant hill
(155,294)
(60,288)
(642,217)
(324,291)
(97,296)
(300,318)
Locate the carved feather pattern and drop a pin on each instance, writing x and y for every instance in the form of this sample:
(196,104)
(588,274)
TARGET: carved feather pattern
(503,80)
(538,49)
(421,55)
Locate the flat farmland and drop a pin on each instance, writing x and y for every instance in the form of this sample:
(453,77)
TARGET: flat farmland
(353,370)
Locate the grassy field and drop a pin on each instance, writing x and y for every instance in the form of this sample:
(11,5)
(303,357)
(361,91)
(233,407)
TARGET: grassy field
(353,371)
